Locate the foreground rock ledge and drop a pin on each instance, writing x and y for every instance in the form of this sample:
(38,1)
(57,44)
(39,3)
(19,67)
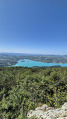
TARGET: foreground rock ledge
(45,112)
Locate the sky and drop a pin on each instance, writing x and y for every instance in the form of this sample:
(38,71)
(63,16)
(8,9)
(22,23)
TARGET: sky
(33,26)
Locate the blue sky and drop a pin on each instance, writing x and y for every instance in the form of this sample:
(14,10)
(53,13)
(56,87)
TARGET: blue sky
(33,26)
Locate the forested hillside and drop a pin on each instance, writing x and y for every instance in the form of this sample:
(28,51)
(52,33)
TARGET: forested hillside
(23,89)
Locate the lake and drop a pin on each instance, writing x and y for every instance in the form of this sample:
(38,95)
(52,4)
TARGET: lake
(31,63)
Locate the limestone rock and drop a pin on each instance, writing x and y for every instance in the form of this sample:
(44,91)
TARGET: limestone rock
(43,107)
(45,112)
(64,106)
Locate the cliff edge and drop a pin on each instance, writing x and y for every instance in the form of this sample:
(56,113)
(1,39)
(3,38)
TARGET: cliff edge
(45,112)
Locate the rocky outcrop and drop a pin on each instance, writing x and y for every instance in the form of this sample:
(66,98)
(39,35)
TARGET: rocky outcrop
(45,112)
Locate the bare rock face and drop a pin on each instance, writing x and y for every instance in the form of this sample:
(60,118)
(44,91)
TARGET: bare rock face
(45,112)
(43,107)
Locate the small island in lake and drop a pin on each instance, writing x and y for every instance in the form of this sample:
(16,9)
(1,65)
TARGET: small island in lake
(25,61)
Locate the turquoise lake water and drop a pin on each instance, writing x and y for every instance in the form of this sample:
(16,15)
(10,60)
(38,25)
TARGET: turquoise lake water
(31,63)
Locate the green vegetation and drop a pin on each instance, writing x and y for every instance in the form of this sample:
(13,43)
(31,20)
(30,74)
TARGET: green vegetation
(23,89)
(9,59)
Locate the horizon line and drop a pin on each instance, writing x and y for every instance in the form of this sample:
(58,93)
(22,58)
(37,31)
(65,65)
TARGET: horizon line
(30,53)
